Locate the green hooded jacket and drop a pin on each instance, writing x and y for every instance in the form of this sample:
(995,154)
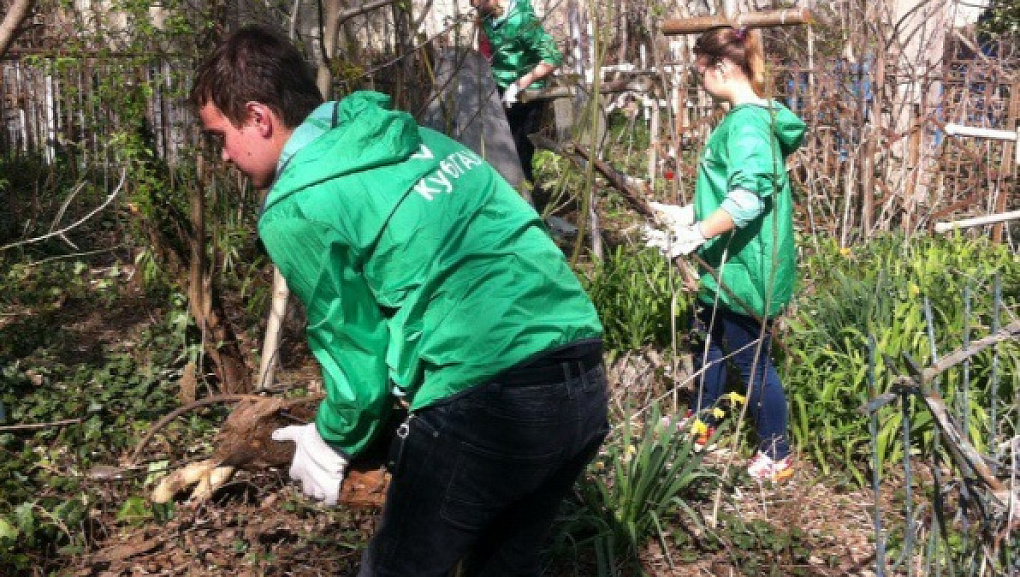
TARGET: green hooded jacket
(757,263)
(519,43)
(418,266)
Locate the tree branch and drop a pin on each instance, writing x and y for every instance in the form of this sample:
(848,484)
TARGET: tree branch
(39,426)
(72,226)
(17,13)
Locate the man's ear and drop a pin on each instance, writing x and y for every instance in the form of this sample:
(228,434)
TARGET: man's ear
(262,118)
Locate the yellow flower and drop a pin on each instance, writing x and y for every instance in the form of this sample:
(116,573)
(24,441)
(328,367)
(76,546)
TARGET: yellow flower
(698,427)
(736,398)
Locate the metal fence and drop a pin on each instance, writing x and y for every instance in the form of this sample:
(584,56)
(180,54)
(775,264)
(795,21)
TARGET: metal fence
(964,525)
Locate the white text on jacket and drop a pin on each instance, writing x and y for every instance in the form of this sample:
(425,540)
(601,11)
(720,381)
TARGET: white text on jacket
(450,169)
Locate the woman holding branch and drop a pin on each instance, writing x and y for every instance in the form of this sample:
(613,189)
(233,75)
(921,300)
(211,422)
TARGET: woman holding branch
(741,224)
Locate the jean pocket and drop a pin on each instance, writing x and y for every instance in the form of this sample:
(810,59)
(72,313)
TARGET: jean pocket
(485,483)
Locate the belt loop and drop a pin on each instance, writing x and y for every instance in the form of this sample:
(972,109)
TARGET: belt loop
(566,379)
(583,373)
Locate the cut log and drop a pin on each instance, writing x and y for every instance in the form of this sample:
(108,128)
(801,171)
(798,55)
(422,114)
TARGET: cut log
(245,442)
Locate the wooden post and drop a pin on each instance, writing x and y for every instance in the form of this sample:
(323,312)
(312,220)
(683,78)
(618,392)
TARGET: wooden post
(274,327)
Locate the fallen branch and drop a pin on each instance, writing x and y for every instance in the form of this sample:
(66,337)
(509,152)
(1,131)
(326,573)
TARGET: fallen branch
(72,226)
(1010,331)
(182,410)
(960,448)
(39,426)
(641,84)
(771,18)
(245,442)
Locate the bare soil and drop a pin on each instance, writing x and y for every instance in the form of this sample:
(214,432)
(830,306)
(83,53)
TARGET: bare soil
(259,525)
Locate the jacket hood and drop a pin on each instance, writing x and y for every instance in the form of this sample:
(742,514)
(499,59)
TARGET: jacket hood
(788,128)
(513,7)
(358,133)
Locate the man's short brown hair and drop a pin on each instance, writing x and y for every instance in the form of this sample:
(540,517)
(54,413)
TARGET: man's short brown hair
(255,64)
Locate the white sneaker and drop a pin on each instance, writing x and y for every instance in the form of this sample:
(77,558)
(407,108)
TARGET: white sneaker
(764,468)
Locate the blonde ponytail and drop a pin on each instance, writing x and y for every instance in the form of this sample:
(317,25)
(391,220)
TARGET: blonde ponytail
(754,53)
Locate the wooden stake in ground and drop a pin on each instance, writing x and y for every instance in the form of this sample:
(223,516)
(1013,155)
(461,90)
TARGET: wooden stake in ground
(274,327)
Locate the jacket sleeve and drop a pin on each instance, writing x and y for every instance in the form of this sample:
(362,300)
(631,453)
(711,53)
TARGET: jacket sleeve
(755,162)
(540,42)
(346,329)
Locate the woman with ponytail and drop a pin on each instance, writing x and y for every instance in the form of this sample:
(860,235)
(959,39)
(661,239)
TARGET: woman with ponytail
(741,224)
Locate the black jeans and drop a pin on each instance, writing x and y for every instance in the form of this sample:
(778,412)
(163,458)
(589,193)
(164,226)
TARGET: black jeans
(525,119)
(480,478)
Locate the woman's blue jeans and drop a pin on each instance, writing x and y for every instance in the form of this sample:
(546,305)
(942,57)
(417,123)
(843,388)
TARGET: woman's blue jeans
(479,478)
(736,335)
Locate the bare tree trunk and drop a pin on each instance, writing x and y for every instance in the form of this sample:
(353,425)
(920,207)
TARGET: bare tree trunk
(330,29)
(16,15)
(622,38)
(872,128)
(218,338)
(178,240)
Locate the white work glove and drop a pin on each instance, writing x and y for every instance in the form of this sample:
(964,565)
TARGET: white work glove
(681,240)
(317,465)
(510,95)
(672,215)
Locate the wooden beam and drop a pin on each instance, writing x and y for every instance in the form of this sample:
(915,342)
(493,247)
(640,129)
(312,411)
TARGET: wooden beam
(977,221)
(639,84)
(766,19)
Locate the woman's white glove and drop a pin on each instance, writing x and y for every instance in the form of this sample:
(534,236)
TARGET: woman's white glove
(679,241)
(317,465)
(672,215)
(510,95)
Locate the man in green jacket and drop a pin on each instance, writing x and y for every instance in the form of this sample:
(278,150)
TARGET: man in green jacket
(426,278)
(523,55)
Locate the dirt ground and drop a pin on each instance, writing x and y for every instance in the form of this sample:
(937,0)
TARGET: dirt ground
(259,524)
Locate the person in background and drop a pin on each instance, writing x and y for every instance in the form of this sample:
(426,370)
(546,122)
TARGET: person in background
(741,224)
(522,56)
(394,238)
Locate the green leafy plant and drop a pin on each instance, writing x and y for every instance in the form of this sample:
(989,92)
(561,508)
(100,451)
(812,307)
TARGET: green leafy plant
(100,401)
(634,491)
(879,291)
(634,295)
